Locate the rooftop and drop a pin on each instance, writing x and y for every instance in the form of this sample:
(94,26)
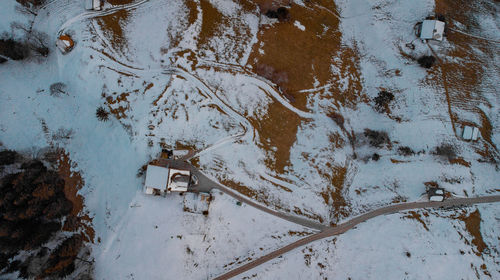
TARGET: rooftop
(432,29)
(156,177)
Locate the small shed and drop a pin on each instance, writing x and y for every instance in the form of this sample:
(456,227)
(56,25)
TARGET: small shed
(435,194)
(95,5)
(65,43)
(470,133)
(156,180)
(431,30)
(178,180)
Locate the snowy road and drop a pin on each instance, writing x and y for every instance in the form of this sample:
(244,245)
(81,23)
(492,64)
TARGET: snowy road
(206,184)
(342,228)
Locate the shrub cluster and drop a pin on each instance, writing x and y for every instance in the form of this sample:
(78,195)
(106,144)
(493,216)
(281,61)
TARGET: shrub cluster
(446,150)
(382,100)
(405,151)
(426,61)
(376,138)
(282,14)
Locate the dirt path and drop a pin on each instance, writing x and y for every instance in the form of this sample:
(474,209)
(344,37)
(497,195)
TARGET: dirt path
(353,223)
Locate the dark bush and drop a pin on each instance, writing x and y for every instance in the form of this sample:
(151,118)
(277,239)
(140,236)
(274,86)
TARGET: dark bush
(382,100)
(13,49)
(441,17)
(7,157)
(375,157)
(102,114)
(29,3)
(405,151)
(446,150)
(376,138)
(426,61)
(271,14)
(2,60)
(282,14)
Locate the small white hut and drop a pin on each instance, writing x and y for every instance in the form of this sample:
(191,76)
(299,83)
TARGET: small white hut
(470,133)
(95,5)
(432,30)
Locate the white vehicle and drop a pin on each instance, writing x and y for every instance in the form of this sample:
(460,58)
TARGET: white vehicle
(436,198)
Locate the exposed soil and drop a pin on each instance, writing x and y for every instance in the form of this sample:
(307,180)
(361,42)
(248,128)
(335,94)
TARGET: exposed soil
(112,25)
(73,182)
(333,193)
(278,132)
(473,225)
(416,216)
(307,56)
(118,105)
(216,26)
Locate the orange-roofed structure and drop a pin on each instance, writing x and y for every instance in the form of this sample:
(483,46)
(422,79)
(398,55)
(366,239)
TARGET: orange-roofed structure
(65,43)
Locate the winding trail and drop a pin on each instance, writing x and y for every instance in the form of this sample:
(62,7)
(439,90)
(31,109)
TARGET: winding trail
(249,133)
(342,228)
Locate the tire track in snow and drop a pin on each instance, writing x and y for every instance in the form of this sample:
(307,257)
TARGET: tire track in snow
(249,132)
(266,86)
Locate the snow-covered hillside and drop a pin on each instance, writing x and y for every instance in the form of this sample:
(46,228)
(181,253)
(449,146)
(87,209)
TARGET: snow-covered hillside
(277,111)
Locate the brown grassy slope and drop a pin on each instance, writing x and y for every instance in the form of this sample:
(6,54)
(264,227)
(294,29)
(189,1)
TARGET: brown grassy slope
(464,75)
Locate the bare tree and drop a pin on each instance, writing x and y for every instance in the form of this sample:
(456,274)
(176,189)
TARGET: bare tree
(36,40)
(63,135)
(58,89)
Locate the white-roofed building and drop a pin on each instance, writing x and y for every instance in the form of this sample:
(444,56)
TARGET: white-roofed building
(432,30)
(162,180)
(156,180)
(470,133)
(93,5)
